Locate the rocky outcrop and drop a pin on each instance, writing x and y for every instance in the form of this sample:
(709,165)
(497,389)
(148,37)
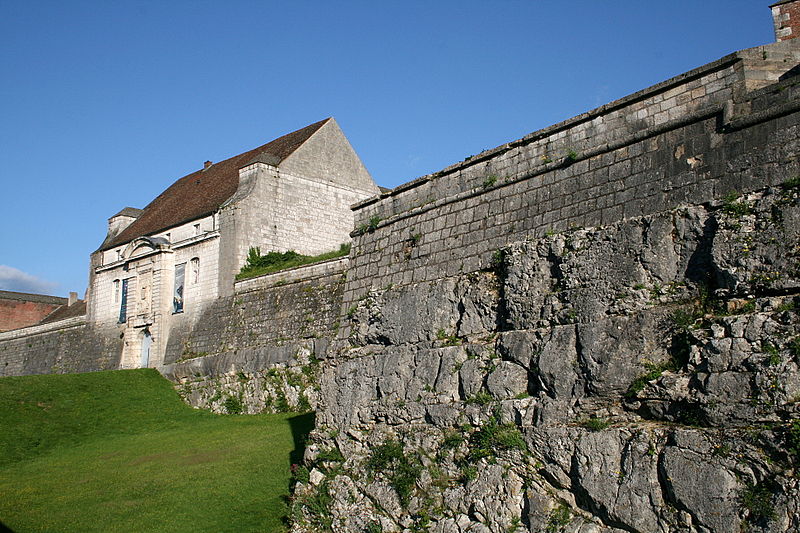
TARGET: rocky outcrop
(636,377)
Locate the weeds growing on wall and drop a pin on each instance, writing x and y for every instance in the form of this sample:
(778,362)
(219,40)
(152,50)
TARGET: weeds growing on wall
(258,265)
(400,468)
(757,500)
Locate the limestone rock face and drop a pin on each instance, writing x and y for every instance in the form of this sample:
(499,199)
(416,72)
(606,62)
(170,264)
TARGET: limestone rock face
(638,377)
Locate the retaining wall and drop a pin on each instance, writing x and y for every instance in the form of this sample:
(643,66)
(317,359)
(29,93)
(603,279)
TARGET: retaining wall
(688,140)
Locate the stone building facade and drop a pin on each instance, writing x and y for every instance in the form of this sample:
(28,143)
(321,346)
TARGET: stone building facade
(159,268)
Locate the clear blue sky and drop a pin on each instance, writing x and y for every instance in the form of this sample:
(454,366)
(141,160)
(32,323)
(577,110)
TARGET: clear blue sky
(105,104)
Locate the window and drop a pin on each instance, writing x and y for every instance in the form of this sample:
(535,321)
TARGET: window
(177,297)
(197,229)
(123,306)
(195,269)
(119,255)
(116,291)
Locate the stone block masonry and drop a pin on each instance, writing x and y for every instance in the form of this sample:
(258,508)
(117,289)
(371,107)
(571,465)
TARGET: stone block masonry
(688,140)
(786,19)
(576,330)
(60,347)
(258,349)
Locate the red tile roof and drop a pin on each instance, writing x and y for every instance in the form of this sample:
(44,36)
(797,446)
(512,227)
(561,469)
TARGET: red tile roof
(203,192)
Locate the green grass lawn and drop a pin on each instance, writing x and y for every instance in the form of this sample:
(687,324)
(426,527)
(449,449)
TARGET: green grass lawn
(119,451)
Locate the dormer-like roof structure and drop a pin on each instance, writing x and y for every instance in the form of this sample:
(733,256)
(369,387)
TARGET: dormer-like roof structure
(202,192)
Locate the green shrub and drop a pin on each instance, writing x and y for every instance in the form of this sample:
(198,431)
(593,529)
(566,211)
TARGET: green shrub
(330,455)
(374,527)
(258,265)
(684,319)
(233,405)
(452,439)
(791,184)
(731,205)
(757,500)
(654,371)
(400,469)
(468,473)
(480,398)
(558,518)
(495,437)
(595,424)
(317,507)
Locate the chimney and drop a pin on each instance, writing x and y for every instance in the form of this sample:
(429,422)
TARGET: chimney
(207,164)
(73,297)
(786,19)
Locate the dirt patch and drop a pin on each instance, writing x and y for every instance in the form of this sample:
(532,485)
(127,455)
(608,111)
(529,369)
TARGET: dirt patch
(210,456)
(150,458)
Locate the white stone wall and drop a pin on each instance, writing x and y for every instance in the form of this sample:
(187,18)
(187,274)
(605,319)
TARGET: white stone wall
(278,211)
(151,280)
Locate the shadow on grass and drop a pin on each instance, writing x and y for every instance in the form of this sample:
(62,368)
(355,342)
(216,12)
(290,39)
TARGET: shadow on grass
(301,426)
(5,529)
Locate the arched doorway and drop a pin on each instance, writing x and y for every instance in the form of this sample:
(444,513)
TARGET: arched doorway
(147,341)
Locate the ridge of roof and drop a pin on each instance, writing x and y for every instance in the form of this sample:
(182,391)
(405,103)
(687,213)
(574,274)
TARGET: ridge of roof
(32,297)
(128,212)
(202,192)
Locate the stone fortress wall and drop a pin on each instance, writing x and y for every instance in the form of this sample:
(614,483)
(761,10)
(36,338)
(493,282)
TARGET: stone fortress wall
(576,330)
(491,311)
(678,142)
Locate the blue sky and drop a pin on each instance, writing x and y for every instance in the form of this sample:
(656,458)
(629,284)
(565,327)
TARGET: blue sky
(105,104)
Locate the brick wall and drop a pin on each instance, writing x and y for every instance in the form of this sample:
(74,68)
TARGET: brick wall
(19,313)
(786,20)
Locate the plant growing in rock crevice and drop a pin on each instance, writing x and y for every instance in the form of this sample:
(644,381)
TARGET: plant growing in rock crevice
(595,424)
(757,500)
(401,469)
(558,519)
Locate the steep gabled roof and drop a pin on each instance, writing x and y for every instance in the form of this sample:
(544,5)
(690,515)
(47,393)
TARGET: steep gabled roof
(203,192)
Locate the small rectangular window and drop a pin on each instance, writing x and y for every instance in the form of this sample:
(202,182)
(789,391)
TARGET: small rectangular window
(197,229)
(177,298)
(116,291)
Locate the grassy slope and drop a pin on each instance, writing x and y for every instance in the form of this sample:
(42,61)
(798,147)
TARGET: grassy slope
(119,451)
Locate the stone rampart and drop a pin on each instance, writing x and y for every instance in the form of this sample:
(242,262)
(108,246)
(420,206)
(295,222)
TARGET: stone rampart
(258,349)
(574,331)
(58,347)
(689,140)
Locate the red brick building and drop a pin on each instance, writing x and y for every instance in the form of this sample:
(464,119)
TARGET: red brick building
(19,309)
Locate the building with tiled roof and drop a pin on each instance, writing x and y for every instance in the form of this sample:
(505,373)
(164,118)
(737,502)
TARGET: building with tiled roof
(159,267)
